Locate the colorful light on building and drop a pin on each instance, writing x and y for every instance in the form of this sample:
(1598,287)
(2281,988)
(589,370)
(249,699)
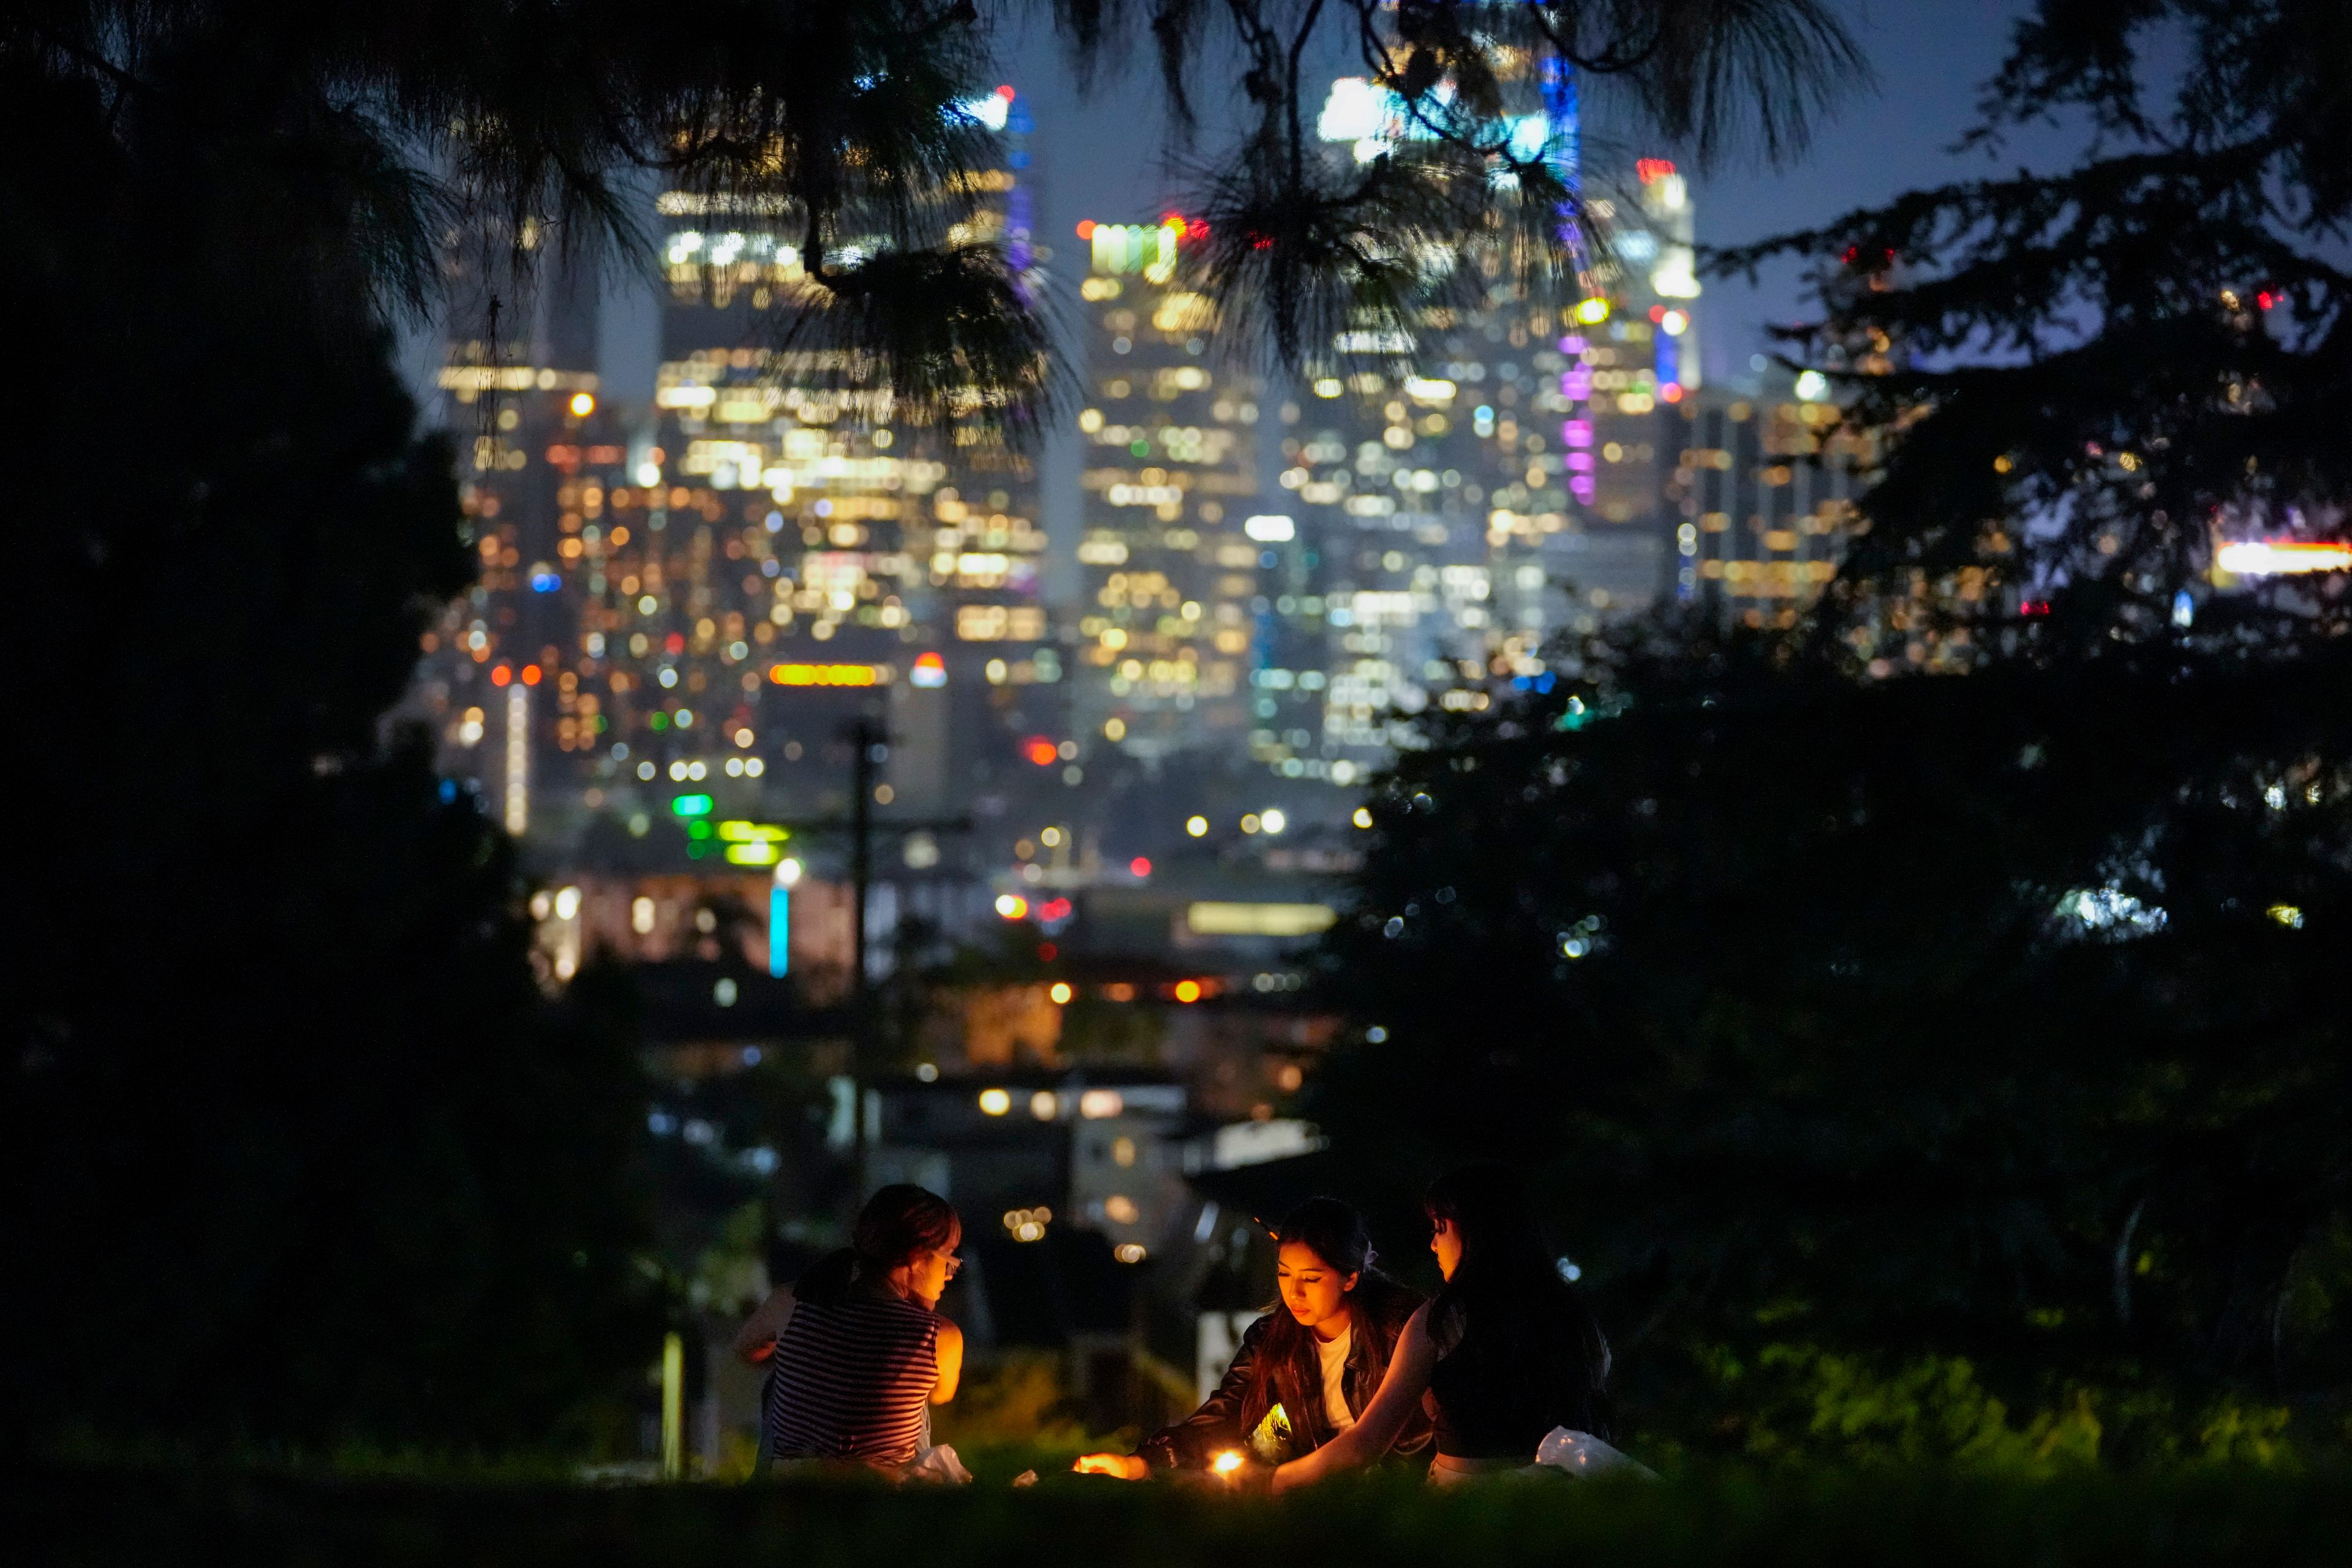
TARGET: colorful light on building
(1149,250)
(829,674)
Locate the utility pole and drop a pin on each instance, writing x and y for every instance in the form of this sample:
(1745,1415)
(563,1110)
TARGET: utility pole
(870,744)
(870,747)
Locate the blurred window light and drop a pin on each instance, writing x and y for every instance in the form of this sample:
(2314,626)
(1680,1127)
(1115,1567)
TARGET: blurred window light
(1215,917)
(2281,557)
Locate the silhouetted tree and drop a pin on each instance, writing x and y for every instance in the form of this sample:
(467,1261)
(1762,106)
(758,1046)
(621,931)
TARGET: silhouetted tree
(1989,1020)
(2103,371)
(306,1153)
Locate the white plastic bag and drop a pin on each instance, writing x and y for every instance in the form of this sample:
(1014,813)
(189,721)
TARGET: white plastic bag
(1582,1455)
(938,1464)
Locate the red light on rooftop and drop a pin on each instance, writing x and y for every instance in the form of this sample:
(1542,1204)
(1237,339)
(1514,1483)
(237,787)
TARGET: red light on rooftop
(1140,866)
(1086,228)
(1040,750)
(1649,169)
(501,676)
(531,675)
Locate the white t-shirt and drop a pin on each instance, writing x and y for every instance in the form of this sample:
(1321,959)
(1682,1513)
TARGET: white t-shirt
(1334,1354)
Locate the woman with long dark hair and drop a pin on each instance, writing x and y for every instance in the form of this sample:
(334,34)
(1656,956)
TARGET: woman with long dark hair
(857,1349)
(1505,1352)
(1306,1370)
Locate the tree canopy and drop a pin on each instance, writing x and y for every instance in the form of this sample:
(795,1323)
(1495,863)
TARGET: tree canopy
(1989,1022)
(371,132)
(2085,378)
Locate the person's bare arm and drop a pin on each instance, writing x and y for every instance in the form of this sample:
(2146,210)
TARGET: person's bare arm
(756,1340)
(947,1348)
(1401,1390)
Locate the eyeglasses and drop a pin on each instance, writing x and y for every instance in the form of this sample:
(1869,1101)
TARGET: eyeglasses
(954,1264)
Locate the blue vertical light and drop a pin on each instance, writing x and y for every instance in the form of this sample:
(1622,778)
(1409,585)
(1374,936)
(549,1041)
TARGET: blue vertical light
(1561,150)
(1669,359)
(780,930)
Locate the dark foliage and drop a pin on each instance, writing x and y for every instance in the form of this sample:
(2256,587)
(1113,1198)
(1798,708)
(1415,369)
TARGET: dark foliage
(1994,1019)
(306,1153)
(2087,376)
(522,118)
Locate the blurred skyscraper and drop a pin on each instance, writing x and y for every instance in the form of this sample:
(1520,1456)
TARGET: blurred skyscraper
(1442,525)
(696,601)
(1762,485)
(1168,569)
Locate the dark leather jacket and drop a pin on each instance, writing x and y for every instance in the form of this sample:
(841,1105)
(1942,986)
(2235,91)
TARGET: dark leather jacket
(1381,1307)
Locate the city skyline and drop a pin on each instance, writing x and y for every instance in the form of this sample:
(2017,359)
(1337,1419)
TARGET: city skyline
(1282,573)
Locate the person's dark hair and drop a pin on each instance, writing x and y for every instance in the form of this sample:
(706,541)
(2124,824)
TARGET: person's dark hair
(897,1223)
(1335,1233)
(1509,1291)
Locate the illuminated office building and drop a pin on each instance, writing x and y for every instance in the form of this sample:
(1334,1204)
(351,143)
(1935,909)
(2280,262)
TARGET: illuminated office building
(1762,490)
(1169,572)
(500,680)
(1446,523)
(699,605)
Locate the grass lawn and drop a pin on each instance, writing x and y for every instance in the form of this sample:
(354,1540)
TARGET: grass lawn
(1918,1520)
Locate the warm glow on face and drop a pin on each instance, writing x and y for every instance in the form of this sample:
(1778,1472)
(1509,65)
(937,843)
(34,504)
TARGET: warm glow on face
(1445,1240)
(1316,1293)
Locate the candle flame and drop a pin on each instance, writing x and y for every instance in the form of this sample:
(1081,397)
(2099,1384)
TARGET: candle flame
(1226,1463)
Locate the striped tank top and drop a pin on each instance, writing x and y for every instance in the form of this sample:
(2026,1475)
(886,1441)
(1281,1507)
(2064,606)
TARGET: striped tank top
(852,1380)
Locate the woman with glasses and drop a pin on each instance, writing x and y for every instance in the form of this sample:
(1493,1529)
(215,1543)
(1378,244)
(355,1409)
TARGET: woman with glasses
(855,1347)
